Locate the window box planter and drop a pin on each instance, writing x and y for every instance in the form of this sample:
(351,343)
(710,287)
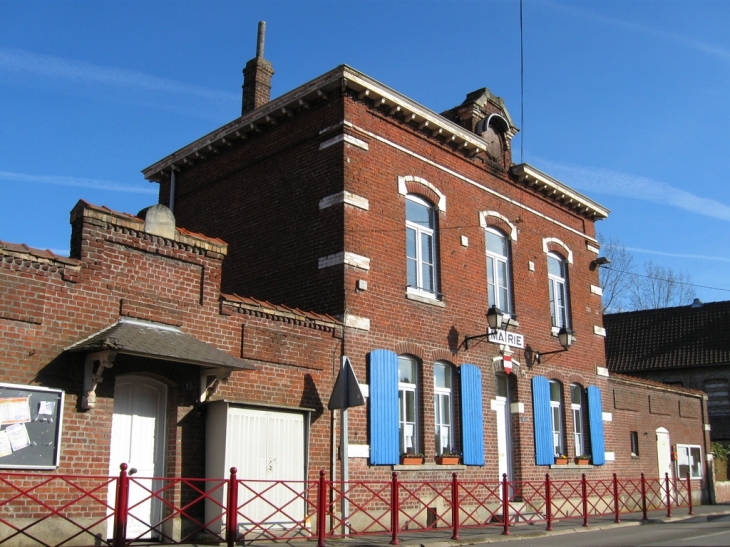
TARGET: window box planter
(561,461)
(411,460)
(582,461)
(448,460)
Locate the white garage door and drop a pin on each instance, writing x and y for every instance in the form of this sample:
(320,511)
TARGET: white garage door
(267,446)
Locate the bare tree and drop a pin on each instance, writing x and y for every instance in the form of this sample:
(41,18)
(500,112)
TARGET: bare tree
(660,287)
(625,289)
(617,277)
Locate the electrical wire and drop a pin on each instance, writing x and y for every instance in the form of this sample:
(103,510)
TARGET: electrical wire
(664,279)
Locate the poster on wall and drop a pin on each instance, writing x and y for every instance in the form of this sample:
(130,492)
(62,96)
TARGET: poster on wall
(30,427)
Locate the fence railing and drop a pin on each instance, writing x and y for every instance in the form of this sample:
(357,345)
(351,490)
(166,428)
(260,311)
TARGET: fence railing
(55,510)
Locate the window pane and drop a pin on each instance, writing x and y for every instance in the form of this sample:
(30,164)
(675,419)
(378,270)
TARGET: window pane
(575,394)
(442,376)
(555,392)
(490,282)
(419,214)
(556,267)
(696,461)
(406,370)
(410,406)
(496,243)
(446,409)
(410,243)
(552,303)
(501,386)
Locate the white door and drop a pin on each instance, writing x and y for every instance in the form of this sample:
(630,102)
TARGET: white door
(138,433)
(267,446)
(664,452)
(501,406)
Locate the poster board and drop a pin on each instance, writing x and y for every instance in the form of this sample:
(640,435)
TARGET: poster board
(30,427)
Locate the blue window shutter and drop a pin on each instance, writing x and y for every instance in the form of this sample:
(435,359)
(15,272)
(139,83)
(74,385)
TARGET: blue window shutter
(472,421)
(384,444)
(595,423)
(543,424)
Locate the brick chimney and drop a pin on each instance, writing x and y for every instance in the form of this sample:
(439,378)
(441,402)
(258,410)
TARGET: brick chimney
(257,77)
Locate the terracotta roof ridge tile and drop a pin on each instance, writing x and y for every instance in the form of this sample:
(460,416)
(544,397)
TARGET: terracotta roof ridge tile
(279,308)
(46,254)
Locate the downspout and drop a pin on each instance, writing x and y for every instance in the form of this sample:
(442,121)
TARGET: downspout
(172,189)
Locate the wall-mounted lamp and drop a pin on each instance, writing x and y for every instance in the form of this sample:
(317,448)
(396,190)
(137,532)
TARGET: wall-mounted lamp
(600,261)
(496,319)
(565,337)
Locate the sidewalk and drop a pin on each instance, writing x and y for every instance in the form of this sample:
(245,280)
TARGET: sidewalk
(493,534)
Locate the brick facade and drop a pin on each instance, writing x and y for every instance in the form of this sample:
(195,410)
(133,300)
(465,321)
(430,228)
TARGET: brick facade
(309,193)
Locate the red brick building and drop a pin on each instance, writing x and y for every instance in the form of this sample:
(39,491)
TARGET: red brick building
(401,228)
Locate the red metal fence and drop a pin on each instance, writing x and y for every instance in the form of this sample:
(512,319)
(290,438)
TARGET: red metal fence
(56,510)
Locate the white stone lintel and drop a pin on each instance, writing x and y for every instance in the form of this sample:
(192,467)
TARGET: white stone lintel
(343,257)
(361,323)
(344,197)
(346,138)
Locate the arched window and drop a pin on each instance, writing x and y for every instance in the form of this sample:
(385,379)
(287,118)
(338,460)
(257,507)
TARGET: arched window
(498,270)
(556,413)
(420,246)
(408,404)
(576,406)
(443,407)
(558,285)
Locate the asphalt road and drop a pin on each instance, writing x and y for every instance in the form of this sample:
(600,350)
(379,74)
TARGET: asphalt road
(704,531)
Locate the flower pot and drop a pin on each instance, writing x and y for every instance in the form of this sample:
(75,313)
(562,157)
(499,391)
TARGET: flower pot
(411,460)
(561,461)
(582,461)
(447,460)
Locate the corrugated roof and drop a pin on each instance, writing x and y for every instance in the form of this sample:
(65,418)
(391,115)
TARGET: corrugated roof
(146,339)
(668,338)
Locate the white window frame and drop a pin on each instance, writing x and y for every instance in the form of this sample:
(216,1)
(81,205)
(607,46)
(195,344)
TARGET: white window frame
(420,232)
(556,418)
(403,424)
(497,259)
(443,406)
(558,284)
(685,459)
(578,425)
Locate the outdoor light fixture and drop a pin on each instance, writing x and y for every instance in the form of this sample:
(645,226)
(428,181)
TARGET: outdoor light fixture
(496,320)
(600,261)
(565,337)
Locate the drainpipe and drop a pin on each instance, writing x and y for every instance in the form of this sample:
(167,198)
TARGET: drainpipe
(172,189)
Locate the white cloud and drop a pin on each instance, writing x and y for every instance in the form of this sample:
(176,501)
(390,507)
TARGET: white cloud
(17,60)
(605,181)
(96,184)
(709,49)
(678,255)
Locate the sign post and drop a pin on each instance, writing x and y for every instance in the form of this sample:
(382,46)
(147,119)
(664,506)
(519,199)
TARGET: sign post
(345,393)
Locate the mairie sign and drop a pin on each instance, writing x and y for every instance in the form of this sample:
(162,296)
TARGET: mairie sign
(511,339)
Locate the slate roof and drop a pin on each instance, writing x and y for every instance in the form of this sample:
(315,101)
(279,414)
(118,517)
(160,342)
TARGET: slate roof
(667,338)
(146,339)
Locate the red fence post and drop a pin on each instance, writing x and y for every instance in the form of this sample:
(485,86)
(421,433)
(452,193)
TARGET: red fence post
(321,509)
(232,509)
(669,494)
(689,494)
(643,498)
(548,503)
(394,509)
(584,495)
(505,504)
(455,506)
(616,508)
(120,508)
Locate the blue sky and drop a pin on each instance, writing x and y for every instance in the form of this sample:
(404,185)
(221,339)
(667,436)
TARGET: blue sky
(626,101)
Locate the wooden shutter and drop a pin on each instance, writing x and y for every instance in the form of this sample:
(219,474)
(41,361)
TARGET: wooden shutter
(384,445)
(595,424)
(543,424)
(472,421)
